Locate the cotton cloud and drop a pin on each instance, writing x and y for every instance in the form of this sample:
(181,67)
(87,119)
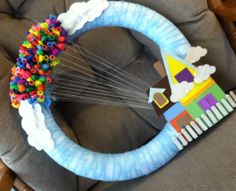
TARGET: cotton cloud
(195,53)
(80,13)
(33,123)
(180,90)
(203,72)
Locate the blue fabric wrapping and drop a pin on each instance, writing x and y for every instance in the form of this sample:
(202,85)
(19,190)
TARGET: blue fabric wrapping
(144,20)
(161,149)
(111,167)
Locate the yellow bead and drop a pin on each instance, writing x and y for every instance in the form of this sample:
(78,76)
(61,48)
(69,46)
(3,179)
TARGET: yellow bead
(55,62)
(27,45)
(40,93)
(41,58)
(44,25)
(57,33)
(36,33)
(41,99)
(38,83)
(40,42)
(29,79)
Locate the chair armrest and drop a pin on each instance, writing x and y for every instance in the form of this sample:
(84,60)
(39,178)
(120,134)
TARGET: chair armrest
(21,186)
(226,10)
(8,180)
(7,177)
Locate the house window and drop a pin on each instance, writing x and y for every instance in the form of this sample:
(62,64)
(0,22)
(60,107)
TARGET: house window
(184,120)
(207,102)
(160,100)
(184,75)
(181,121)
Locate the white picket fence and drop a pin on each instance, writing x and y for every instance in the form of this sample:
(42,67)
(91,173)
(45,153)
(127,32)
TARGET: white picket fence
(206,121)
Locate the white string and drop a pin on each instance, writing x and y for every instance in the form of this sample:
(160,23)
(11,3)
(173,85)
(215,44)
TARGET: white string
(100,82)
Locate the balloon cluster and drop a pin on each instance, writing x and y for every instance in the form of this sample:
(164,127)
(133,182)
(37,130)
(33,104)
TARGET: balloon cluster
(37,58)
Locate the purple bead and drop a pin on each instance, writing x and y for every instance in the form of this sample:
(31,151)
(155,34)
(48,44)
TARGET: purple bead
(55,51)
(34,51)
(21,81)
(63,33)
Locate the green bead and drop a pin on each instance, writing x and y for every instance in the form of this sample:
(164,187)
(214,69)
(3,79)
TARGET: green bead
(42,79)
(25,42)
(44,38)
(13,87)
(34,77)
(51,37)
(40,52)
(21,55)
(28,89)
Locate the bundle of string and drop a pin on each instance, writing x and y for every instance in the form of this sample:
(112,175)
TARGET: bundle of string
(84,77)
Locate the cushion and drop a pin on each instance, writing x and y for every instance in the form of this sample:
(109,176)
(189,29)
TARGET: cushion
(112,129)
(201,27)
(33,167)
(207,164)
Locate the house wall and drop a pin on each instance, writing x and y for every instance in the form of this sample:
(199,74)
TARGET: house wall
(195,110)
(197,91)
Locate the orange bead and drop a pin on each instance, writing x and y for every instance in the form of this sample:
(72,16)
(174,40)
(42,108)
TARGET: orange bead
(31,83)
(41,72)
(16,105)
(48,72)
(40,88)
(21,88)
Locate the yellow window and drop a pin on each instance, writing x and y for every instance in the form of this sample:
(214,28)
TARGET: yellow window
(160,100)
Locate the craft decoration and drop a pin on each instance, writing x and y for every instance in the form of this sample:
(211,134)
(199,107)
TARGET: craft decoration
(80,13)
(37,58)
(188,97)
(195,53)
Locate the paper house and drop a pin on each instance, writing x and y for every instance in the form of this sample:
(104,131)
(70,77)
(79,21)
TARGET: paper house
(189,107)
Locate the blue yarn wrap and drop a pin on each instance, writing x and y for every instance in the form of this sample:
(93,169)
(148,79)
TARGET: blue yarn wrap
(161,149)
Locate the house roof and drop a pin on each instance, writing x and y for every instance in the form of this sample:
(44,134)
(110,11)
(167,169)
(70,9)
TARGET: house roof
(173,65)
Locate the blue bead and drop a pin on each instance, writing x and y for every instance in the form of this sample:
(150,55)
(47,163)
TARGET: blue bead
(45,66)
(39,47)
(31,100)
(47,102)
(52,17)
(21,64)
(50,44)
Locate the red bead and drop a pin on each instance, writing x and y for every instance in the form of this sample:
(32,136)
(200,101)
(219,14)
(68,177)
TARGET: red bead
(61,39)
(47,31)
(61,46)
(37,66)
(49,80)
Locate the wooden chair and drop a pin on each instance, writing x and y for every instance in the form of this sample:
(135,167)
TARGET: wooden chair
(9,180)
(225,10)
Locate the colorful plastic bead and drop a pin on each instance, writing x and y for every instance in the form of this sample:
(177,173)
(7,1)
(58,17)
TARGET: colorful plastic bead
(37,58)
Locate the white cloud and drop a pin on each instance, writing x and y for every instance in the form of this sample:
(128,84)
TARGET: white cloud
(33,122)
(195,53)
(180,90)
(80,13)
(203,72)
